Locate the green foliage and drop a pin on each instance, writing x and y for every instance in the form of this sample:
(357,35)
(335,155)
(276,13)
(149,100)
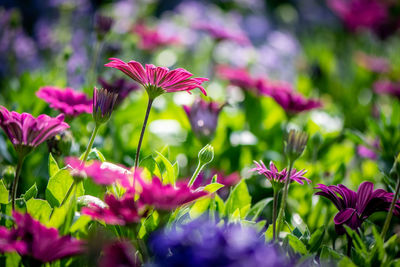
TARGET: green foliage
(239,201)
(3,193)
(58,187)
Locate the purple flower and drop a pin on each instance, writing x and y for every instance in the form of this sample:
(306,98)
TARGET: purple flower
(103,104)
(120,86)
(372,63)
(275,176)
(67,101)
(121,211)
(355,207)
(27,132)
(119,254)
(102,25)
(237,76)
(203,243)
(220,33)
(30,237)
(152,39)
(366,152)
(387,87)
(203,118)
(167,197)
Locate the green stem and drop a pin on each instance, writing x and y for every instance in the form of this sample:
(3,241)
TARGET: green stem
(69,192)
(195,174)
(89,147)
(349,245)
(284,197)
(390,213)
(142,133)
(16,179)
(274,213)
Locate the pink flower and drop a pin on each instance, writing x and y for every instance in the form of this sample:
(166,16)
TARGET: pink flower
(27,132)
(220,33)
(152,39)
(366,152)
(67,101)
(158,80)
(267,87)
(167,197)
(387,87)
(275,176)
(32,238)
(372,63)
(239,77)
(119,254)
(121,211)
(101,173)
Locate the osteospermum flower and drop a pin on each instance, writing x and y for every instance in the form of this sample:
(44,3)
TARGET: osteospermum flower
(167,197)
(158,80)
(372,63)
(102,173)
(121,211)
(239,77)
(275,176)
(203,117)
(27,132)
(220,33)
(387,87)
(67,101)
(152,39)
(355,207)
(39,242)
(293,102)
(103,104)
(119,253)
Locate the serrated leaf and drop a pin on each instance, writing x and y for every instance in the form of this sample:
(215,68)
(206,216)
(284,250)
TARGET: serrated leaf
(3,193)
(199,207)
(169,175)
(316,239)
(58,187)
(296,244)
(255,211)
(38,209)
(239,198)
(53,166)
(31,193)
(213,187)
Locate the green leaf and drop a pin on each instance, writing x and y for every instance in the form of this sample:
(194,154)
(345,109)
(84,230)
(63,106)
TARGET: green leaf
(255,211)
(91,188)
(296,244)
(58,187)
(169,175)
(378,244)
(150,165)
(199,207)
(39,209)
(80,224)
(269,233)
(53,166)
(329,254)
(220,205)
(346,262)
(176,170)
(13,259)
(3,193)
(213,187)
(240,199)
(316,239)
(31,193)
(95,154)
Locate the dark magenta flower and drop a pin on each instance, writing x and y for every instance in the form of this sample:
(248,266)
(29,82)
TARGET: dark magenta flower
(121,211)
(67,101)
(205,244)
(355,207)
(9,241)
(102,173)
(102,25)
(293,102)
(167,197)
(120,86)
(41,243)
(239,77)
(27,132)
(103,104)
(372,63)
(152,39)
(119,254)
(387,87)
(203,117)
(366,152)
(158,80)
(275,176)
(220,33)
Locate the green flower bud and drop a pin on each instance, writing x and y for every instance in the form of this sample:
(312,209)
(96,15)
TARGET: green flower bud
(206,155)
(295,144)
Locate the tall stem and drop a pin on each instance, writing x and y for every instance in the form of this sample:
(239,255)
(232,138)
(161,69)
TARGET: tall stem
(349,245)
(390,213)
(274,213)
(195,174)
(284,196)
(16,179)
(142,133)
(89,147)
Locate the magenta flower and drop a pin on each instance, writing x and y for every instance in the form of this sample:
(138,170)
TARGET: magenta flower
(167,197)
(101,173)
(120,86)
(387,87)
(67,101)
(293,102)
(275,176)
(121,211)
(31,238)
(158,80)
(239,77)
(203,117)
(372,63)
(152,39)
(119,254)
(27,132)
(366,152)
(355,207)
(220,33)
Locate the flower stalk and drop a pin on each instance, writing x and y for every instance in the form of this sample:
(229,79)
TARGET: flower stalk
(146,117)
(390,213)
(284,198)
(206,155)
(274,213)
(16,179)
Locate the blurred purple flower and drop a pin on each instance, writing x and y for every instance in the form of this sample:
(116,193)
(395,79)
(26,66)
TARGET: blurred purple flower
(41,243)
(67,101)
(387,87)
(167,197)
(121,86)
(203,117)
(102,25)
(220,33)
(366,152)
(152,39)
(121,211)
(355,207)
(275,176)
(203,243)
(119,254)
(27,132)
(236,76)
(372,63)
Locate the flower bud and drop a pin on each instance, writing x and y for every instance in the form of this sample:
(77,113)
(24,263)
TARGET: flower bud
(102,25)
(103,104)
(295,144)
(206,155)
